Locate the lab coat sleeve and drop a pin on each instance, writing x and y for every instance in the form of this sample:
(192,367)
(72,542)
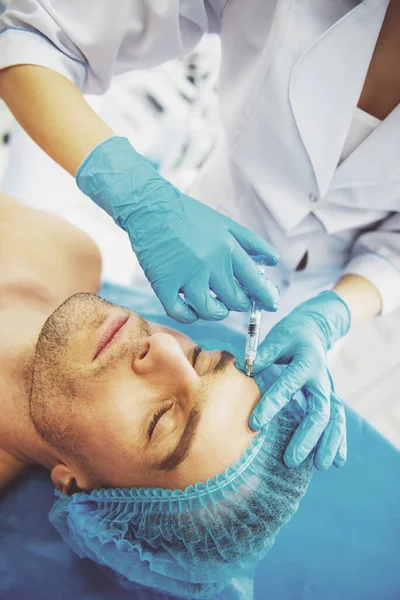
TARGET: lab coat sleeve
(88,41)
(376,256)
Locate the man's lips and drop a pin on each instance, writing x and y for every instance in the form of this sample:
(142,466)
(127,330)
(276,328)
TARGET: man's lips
(111,328)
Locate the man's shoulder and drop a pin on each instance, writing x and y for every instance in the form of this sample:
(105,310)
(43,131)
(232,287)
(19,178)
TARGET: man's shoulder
(10,206)
(10,467)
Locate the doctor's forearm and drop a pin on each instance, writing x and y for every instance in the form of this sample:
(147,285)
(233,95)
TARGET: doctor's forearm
(360,295)
(53,112)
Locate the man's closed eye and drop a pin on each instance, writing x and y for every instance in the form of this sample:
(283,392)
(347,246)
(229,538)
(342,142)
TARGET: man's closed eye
(156,417)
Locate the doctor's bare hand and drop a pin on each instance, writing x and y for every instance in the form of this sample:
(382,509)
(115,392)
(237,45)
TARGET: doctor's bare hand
(301,341)
(183,246)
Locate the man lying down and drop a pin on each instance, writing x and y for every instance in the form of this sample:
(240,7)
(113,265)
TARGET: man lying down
(145,435)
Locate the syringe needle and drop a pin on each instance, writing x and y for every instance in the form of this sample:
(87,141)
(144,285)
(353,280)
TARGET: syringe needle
(248,367)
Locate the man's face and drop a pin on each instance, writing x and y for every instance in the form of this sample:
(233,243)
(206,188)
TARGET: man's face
(149,406)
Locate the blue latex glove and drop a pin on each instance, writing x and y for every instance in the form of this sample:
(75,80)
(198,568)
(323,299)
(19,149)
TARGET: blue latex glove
(301,341)
(182,245)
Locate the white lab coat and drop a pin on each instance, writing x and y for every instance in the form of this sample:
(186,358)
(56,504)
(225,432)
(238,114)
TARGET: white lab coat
(291,75)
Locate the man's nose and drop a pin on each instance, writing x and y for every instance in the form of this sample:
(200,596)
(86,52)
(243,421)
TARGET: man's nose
(160,353)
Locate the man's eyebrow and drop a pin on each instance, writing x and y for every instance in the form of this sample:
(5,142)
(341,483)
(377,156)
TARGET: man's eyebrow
(224,360)
(180,452)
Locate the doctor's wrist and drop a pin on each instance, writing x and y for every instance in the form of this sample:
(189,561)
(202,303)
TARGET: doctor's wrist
(115,177)
(336,315)
(360,296)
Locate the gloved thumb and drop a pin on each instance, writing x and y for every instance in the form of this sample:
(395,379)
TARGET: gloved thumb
(267,354)
(255,245)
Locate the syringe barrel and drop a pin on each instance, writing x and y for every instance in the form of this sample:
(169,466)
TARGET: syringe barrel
(253,330)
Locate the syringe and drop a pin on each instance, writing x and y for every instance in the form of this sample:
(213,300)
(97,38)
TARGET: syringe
(253,332)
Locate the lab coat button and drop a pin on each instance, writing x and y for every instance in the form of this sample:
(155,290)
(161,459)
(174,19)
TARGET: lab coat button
(313,198)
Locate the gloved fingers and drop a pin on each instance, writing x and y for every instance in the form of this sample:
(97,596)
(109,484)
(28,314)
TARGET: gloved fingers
(306,436)
(228,290)
(291,381)
(176,308)
(341,455)
(256,285)
(254,244)
(332,438)
(197,294)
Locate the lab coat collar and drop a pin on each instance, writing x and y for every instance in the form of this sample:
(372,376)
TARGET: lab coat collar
(325,87)
(376,160)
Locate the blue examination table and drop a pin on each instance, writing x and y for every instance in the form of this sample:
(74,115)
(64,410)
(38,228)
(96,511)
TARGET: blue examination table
(343,543)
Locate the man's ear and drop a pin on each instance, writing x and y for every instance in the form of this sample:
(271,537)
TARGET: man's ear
(64,479)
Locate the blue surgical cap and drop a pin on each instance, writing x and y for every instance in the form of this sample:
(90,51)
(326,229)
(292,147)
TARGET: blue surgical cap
(192,543)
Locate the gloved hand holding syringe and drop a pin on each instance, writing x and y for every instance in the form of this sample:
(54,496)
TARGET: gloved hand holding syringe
(300,341)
